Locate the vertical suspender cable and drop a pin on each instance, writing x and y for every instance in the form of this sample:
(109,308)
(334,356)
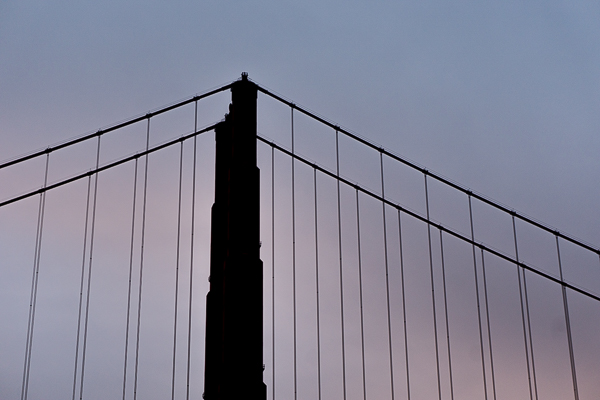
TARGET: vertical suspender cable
(189,333)
(34,285)
(437,354)
(446,314)
(387,280)
(528,323)
(294,259)
(177,269)
(81,283)
(360,287)
(530,335)
(131,251)
(143,237)
(567,324)
(522,307)
(339,212)
(487,315)
(403,304)
(478,302)
(317,283)
(273,270)
(89,282)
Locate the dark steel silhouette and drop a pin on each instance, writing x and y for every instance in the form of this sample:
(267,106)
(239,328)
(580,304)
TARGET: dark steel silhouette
(234,320)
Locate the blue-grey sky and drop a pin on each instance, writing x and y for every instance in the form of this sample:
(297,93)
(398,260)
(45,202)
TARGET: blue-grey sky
(503,98)
(500,97)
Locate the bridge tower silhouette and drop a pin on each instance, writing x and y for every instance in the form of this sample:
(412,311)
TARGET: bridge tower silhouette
(234,316)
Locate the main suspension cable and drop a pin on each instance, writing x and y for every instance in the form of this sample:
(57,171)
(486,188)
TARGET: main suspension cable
(427,172)
(419,217)
(115,127)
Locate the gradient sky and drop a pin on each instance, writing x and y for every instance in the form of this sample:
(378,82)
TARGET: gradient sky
(501,97)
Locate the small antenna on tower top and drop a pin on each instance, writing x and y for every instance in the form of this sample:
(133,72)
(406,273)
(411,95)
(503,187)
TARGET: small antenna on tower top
(244,76)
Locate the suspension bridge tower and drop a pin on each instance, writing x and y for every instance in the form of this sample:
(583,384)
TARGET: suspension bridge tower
(234,317)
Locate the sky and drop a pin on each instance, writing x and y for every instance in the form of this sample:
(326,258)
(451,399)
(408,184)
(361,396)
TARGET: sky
(502,97)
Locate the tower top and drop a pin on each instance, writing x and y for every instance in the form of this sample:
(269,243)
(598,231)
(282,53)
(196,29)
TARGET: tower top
(244,76)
